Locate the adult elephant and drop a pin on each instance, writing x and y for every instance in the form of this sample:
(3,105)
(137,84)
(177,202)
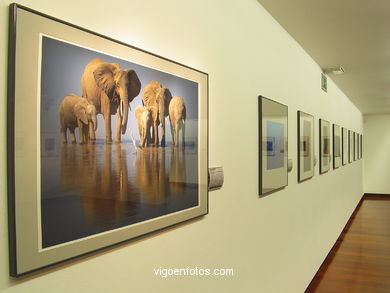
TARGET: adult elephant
(155,95)
(177,119)
(110,89)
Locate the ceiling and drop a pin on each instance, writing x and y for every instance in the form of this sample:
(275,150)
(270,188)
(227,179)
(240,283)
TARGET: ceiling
(354,34)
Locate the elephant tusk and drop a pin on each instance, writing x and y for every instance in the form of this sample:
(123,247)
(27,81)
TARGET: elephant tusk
(121,109)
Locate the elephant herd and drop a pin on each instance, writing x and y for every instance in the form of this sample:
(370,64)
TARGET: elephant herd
(108,90)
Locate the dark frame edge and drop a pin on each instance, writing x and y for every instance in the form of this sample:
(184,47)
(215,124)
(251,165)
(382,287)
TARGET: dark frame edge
(298,146)
(260,150)
(333,147)
(349,146)
(342,145)
(207,142)
(11,139)
(320,122)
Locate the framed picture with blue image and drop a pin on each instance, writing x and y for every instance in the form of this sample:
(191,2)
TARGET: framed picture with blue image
(273,146)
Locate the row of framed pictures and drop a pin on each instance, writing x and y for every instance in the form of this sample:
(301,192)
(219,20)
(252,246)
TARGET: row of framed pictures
(347,145)
(273,145)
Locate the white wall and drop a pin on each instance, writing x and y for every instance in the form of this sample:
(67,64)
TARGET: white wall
(275,243)
(376,155)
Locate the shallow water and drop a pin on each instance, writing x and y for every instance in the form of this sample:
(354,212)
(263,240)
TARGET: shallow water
(87,189)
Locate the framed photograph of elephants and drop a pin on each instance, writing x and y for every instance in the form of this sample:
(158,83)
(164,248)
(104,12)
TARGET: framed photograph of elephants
(273,146)
(305,146)
(106,142)
(324,146)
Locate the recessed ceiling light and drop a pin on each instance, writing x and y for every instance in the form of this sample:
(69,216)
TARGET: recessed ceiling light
(335,70)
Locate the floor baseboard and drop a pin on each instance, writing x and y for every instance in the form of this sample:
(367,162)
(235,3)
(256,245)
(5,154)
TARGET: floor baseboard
(376,196)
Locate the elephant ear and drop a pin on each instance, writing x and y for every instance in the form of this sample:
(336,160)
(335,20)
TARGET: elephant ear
(167,99)
(105,77)
(134,84)
(153,111)
(80,112)
(150,92)
(164,97)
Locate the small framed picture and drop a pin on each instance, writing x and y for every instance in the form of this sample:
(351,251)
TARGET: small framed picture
(356,143)
(344,146)
(336,146)
(351,147)
(324,146)
(273,146)
(305,146)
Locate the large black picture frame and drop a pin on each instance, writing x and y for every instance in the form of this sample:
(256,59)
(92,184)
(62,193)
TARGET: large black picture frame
(28,30)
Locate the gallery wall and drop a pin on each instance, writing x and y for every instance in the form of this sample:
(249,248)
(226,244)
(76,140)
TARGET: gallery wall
(376,144)
(274,243)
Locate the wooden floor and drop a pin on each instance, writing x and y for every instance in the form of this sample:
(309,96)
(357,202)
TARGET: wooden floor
(360,259)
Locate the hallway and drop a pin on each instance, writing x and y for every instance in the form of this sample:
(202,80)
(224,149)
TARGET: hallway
(360,259)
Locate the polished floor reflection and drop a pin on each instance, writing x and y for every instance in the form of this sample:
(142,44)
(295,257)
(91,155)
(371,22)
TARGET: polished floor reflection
(360,260)
(87,189)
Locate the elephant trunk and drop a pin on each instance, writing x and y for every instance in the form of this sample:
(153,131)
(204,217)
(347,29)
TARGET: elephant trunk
(161,117)
(161,113)
(92,128)
(125,104)
(94,121)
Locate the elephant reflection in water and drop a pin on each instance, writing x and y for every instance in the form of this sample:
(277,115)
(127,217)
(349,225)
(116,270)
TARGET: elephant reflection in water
(177,174)
(104,187)
(152,178)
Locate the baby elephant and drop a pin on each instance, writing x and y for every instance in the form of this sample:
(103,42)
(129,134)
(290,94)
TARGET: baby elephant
(144,119)
(76,112)
(177,118)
